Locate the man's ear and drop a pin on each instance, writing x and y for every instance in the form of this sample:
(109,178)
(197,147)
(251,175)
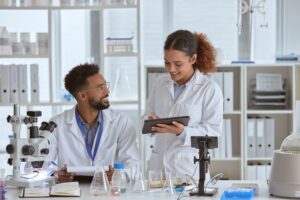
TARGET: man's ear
(81,96)
(194,58)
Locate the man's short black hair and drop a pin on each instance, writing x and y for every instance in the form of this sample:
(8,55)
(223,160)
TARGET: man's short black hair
(75,80)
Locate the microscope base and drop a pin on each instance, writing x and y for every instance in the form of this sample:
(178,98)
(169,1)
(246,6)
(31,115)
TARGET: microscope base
(207,192)
(22,182)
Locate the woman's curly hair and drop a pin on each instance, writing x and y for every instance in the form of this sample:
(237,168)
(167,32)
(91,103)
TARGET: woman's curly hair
(190,44)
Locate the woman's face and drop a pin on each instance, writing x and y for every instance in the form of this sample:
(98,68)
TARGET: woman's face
(179,65)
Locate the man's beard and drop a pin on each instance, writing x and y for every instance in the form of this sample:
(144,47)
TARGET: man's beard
(98,105)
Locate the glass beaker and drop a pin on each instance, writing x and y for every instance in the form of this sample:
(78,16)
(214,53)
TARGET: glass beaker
(99,185)
(121,88)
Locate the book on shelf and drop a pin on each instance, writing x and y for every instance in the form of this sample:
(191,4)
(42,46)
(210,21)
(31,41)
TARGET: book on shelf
(70,189)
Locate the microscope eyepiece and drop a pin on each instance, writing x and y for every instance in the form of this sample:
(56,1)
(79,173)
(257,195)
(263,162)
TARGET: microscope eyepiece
(44,126)
(52,126)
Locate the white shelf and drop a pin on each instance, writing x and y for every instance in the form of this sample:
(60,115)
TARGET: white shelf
(233,113)
(96,7)
(259,159)
(70,7)
(121,54)
(269,112)
(23,56)
(40,104)
(25,8)
(226,159)
(119,6)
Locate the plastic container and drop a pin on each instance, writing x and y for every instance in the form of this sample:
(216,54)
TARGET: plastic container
(118,180)
(238,193)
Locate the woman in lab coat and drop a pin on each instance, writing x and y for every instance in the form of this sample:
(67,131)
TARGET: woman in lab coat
(187,90)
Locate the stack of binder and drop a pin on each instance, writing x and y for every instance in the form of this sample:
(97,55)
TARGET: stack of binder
(264,98)
(224,149)
(258,171)
(225,82)
(14,84)
(260,137)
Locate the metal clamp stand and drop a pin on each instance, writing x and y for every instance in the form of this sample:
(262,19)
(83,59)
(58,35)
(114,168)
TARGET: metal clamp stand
(203,144)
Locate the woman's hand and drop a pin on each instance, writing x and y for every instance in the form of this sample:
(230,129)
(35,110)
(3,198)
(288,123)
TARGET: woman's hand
(153,116)
(175,128)
(62,175)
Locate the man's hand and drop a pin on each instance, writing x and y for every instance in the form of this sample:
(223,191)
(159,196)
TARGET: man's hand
(109,173)
(62,175)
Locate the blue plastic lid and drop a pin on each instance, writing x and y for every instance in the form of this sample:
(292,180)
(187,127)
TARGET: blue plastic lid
(119,166)
(179,188)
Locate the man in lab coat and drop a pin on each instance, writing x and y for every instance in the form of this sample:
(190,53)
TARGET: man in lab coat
(91,133)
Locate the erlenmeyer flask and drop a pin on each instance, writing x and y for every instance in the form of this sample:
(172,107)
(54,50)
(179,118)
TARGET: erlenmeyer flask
(99,185)
(169,185)
(121,88)
(138,181)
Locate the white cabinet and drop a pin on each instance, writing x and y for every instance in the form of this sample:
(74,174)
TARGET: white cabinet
(240,165)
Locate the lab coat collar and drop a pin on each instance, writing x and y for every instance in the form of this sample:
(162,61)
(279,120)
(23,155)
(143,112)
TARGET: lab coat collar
(194,84)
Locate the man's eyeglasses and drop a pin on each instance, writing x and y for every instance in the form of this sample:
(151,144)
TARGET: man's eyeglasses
(100,87)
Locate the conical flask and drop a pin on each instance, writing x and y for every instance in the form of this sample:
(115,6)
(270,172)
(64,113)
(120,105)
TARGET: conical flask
(169,186)
(99,185)
(121,88)
(138,181)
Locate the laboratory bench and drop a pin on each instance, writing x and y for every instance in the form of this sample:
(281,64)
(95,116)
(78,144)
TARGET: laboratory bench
(13,193)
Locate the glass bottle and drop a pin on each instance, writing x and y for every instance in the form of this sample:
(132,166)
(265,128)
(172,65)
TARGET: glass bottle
(118,180)
(99,185)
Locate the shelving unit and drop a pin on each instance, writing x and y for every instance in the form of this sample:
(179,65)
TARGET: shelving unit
(54,105)
(235,167)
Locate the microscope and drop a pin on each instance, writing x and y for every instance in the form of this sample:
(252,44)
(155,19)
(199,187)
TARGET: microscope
(203,143)
(33,149)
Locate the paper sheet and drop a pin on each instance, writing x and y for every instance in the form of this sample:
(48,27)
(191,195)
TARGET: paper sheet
(84,170)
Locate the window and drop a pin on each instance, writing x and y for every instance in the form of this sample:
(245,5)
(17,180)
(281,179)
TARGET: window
(217,19)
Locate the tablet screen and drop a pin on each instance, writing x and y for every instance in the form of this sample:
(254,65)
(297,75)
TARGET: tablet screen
(184,120)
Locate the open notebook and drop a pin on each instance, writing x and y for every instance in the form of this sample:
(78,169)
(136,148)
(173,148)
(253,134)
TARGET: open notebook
(70,189)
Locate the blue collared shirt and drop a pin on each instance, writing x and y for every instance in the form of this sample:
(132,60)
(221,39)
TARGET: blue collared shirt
(178,89)
(90,131)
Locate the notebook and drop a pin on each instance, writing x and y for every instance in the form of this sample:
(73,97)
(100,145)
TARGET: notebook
(70,189)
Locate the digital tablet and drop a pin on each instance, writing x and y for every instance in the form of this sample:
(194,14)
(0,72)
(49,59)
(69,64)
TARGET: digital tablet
(184,120)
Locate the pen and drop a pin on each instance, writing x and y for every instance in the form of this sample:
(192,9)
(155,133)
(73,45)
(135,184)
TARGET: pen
(53,163)
(52,171)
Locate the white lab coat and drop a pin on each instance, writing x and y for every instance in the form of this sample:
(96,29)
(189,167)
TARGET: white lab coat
(201,100)
(118,142)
